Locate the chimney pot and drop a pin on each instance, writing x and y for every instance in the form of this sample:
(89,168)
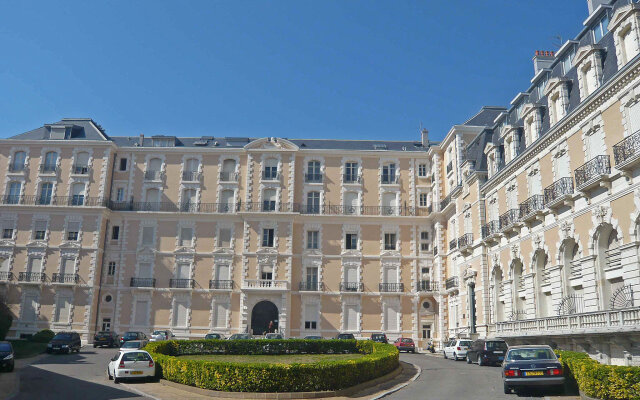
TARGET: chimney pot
(424,135)
(141,140)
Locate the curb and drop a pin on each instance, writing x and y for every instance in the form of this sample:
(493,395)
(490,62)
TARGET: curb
(402,386)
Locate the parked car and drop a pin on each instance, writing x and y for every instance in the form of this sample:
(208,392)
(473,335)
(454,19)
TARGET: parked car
(240,336)
(131,365)
(457,349)
(273,336)
(345,336)
(65,342)
(132,336)
(106,338)
(405,344)
(157,336)
(133,345)
(532,365)
(486,352)
(214,336)
(379,337)
(6,356)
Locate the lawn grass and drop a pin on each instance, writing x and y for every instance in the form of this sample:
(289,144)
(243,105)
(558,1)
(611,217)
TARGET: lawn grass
(24,348)
(275,359)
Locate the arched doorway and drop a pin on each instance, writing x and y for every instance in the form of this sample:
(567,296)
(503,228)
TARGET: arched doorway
(263,313)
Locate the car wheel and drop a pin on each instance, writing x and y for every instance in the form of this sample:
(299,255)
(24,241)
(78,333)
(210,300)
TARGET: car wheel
(455,357)
(95,345)
(507,389)
(116,380)
(109,377)
(445,354)
(468,359)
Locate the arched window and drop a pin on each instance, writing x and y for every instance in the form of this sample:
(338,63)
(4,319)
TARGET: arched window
(152,198)
(498,301)
(19,158)
(351,203)
(388,204)
(228,173)
(77,194)
(609,259)
(270,169)
(50,161)
(313,174)
(81,163)
(269,200)
(518,288)
(543,285)
(188,203)
(226,201)
(154,167)
(313,203)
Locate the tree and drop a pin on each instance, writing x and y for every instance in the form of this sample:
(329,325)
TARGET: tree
(6,319)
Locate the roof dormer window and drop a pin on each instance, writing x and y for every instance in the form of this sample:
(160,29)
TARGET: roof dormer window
(588,61)
(163,141)
(600,28)
(626,28)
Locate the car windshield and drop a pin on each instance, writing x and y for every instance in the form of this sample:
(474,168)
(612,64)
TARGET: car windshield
(530,354)
(496,346)
(5,347)
(62,336)
(131,345)
(465,343)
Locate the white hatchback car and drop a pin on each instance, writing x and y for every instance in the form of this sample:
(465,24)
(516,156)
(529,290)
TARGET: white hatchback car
(130,365)
(456,349)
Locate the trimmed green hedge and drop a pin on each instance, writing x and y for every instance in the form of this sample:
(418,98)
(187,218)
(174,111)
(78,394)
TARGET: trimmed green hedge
(607,382)
(379,359)
(43,336)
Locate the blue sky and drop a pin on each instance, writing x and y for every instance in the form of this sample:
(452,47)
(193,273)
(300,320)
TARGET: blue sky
(298,69)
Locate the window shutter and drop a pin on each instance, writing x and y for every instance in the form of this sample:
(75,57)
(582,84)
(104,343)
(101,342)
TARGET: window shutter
(30,306)
(73,226)
(180,314)
(634,118)
(40,226)
(144,270)
(184,271)
(35,265)
(141,313)
(147,235)
(351,274)
(222,272)
(351,317)
(67,266)
(221,315)
(391,320)
(62,310)
(391,275)
(224,239)
(311,312)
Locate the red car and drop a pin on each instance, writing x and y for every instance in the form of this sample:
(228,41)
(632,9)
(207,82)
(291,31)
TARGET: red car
(405,344)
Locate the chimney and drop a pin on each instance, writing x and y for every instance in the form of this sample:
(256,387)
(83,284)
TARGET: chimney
(594,4)
(141,140)
(424,134)
(542,59)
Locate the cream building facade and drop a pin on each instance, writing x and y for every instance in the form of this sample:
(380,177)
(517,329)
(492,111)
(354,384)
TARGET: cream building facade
(521,223)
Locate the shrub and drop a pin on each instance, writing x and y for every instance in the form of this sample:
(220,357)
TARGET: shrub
(5,324)
(607,382)
(44,336)
(379,359)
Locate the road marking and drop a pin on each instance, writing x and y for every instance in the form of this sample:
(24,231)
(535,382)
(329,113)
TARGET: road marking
(388,392)
(140,392)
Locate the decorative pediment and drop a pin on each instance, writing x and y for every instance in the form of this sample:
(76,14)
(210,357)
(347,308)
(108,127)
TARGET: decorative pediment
(37,244)
(529,107)
(390,257)
(185,250)
(70,246)
(488,148)
(621,15)
(7,243)
(146,253)
(271,143)
(351,253)
(553,84)
(267,256)
(223,251)
(469,274)
(584,52)
(312,253)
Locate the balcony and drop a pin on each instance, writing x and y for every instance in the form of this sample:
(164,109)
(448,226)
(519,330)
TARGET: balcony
(491,230)
(48,169)
(602,322)
(559,193)
(31,277)
(65,278)
(428,286)
(391,287)
(546,277)
(268,206)
(627,152)
(310,287)
(188,207)
(465,242)
(265,284)
(143,282)
(509,220)
(531,208)
(593,173)
(351,287)
(614,258)
(17,168)
(451,283)
(444,203)
(391,179)
(351,178)
(6,276)
(182,283)
(453,244)
(191,176)
(60,201)
(313,178)
(218,284)
(229,176)
(270,176)
(153,175)
(80,170)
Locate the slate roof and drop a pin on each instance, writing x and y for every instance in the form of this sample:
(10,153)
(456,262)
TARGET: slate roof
(76,129)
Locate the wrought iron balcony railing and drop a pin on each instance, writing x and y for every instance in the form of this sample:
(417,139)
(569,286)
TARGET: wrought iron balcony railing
(428,286)
(490,228)
(17,167)
(627,149)
(44,200)
(220,284)
(80,169)
(390,179)
(191,176)
(172,207)
(451,283)
(351,178)
(453,243)
(182,283)
(31,277)
(6,276)
(310,286)
(558,189)
(268,206)
(228,176)
(270,175)
(592,170)
(531,205)
(48,168)
(143,282)
(313,178)
(351,287)
(391,287)
(510,218)
(465,240)
(152,175)
(445,202)
(64,278)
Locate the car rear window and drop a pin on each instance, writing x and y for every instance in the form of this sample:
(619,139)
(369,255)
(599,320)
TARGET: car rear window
(136,356)
(130,334)
(5,347)
(131,345)
(530,354)
(465,343)
(496,345)
(407,340)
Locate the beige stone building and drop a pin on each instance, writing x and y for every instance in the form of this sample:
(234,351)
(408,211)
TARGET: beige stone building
(521,223)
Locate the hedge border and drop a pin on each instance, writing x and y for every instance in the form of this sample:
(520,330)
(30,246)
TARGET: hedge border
(606,382)
(378,360)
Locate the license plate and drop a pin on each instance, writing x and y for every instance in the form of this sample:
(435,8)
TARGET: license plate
(498,352)
(136,372)
(533,373)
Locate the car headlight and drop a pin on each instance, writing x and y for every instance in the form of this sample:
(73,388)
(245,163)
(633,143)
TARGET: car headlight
(49,345)
(9,357)
(65,345)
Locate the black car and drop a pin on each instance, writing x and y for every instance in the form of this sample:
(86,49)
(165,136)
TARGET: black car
(6,356)
(346,336)
(109,339)
(65,342)
(132,336)
(486,352)
(533,365)
(379,337)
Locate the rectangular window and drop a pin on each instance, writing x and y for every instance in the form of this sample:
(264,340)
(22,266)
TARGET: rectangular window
(115,233)
(312,240)
(63,306)
(141,312)
(634,118)
(224,238)
(350,172)
(311,316)
(14,193)
(7,233)
(351,241)
(111,270)
(389,241)
(424,241)
(600,29)
(220,318)
(39,230)
(29,308)
(389,173)
(35,265)
(120,194)
(423,199)
(186,237)
(147,235)
(123,164)
(391,319)
(73,229)
(422,170)
(351,317)
(180,314)
(267,237)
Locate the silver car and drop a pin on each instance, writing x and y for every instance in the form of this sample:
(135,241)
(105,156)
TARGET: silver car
(158,336)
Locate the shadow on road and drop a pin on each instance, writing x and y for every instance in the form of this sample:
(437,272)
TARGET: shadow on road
(73,358)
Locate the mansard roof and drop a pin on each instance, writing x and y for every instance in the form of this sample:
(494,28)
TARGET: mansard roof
(75,129)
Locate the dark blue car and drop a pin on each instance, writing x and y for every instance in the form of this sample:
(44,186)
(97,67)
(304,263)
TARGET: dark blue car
(531,366)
